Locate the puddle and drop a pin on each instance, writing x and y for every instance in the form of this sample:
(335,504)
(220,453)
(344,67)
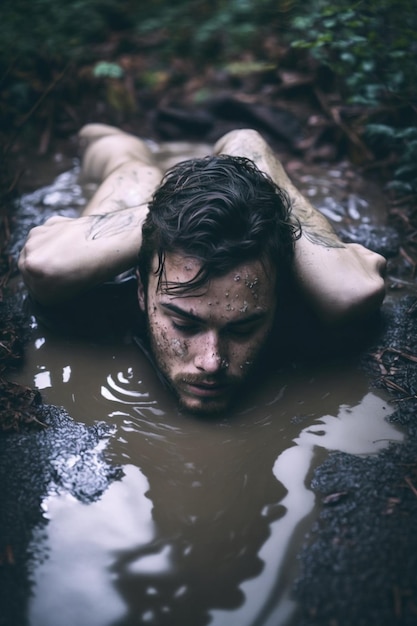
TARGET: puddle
(207,521)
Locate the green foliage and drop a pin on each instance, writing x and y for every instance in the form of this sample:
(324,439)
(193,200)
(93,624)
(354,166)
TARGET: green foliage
(371,44)
(52,29)
(39,38)
(209,29)
(35,29)
(107,70)
(371,47)
(404,142)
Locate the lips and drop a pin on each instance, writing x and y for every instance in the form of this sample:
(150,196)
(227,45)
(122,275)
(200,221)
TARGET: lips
(205,389)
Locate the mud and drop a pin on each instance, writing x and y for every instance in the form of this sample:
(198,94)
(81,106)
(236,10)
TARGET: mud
(359,565)
(209,515)
(60,455)
(206,520)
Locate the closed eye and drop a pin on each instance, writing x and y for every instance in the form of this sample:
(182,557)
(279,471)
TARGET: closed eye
(189,324)
(185,327)
(243,330)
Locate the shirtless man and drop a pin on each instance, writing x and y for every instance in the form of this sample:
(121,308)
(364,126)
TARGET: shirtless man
(220,240)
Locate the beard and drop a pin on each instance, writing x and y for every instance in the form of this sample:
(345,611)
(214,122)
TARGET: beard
(180,385)
(230,387)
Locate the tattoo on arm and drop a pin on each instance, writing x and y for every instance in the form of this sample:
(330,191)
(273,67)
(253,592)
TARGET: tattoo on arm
(315,228)
(113,224)
(320,237)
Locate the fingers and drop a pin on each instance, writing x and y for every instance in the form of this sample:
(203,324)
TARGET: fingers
(36,239)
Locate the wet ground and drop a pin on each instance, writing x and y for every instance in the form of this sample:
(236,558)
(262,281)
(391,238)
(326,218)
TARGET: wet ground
(297,508)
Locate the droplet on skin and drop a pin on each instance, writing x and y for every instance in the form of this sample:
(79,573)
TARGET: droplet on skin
(251,283)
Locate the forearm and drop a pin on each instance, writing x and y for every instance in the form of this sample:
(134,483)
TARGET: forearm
(250,144)
(339,281)
(65,256)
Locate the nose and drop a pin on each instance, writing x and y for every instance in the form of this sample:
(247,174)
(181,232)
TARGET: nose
(209,357)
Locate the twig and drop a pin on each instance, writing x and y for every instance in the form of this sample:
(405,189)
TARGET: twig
(408,259)
(404,200)
(37,104)
(333,112)
(410,484)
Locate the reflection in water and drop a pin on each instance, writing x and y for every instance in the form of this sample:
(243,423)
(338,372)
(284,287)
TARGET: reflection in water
(203,526)
(74,586)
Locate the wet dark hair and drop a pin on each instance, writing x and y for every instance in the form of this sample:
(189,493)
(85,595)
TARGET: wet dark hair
(221,210)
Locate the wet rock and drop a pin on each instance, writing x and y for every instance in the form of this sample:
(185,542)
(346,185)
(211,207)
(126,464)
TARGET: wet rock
(177,123)
(360,563)
(382,239)
(392,360)
(64,455)
(224,113)
(64,197)
(279,123)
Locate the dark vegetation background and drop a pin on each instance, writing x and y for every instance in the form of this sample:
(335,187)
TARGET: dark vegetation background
(127,61)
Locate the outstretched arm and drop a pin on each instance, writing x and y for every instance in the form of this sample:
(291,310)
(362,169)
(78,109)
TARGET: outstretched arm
(339,280)
(66,256)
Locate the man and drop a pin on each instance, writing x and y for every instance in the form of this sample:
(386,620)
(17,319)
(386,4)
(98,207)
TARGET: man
(221,240)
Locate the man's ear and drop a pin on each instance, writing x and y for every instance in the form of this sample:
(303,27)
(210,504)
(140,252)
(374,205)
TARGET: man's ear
(141,292)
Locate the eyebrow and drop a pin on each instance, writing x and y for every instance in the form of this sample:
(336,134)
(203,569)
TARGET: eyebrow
(253,317)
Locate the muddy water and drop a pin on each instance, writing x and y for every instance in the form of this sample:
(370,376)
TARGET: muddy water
(206,523)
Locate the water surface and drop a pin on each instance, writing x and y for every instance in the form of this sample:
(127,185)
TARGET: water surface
(207,521)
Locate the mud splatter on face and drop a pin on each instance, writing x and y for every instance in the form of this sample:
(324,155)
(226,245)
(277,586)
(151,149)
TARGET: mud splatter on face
(179,348)
(251,282)
(207,343)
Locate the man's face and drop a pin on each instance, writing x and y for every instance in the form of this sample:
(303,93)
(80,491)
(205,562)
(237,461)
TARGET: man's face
(206,342)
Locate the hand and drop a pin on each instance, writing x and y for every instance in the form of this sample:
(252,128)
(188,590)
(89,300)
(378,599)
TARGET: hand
(66,256)
(340,282)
